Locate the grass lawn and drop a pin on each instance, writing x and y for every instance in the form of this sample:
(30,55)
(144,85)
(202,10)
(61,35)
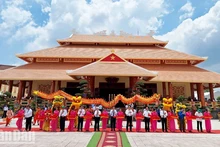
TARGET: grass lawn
(94,140)
(124,139)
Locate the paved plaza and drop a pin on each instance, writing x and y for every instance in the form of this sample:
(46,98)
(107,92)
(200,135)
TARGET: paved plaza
(81,139)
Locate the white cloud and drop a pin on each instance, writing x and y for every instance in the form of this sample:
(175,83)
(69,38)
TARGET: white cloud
(188,11)
(199,37)
(15,2)
(13,17)
(45,5)
(127,15)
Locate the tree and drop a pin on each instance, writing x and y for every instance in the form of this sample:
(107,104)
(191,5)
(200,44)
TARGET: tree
(181,98)
(139,88)
(206,90)
(218,99)
(84,89)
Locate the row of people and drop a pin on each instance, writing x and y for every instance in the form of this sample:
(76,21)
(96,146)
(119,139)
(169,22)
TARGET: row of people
(49,120)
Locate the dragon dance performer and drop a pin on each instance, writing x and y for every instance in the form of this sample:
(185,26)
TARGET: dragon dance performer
(36,116)
(71,117)
(153,119)
(54,120)
(20,116)
(139,118)
(9,116)
(104,117)
(171,119)
(41,117)
(46,124)
(189,120)
(208,117)
(88,117)
(120,116)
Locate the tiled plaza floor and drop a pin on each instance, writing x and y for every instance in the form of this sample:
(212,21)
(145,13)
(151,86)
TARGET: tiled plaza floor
(81,139)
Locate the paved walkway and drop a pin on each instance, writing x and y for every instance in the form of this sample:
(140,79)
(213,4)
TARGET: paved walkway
(81,139)
(173,140)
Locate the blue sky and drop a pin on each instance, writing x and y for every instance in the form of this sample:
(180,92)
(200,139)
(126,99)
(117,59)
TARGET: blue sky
(190,26)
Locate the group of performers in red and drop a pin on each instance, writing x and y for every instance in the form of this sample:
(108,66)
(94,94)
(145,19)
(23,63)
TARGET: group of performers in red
(49,120)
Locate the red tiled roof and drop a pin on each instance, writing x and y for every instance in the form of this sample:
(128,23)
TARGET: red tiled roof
(183,73)
(112,65)
(97,52)
(105,39)
(39,71)
(3,67)
(57,71)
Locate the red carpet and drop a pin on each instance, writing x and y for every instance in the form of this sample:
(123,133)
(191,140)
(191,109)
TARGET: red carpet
(2,123)
(108,130)
(110,139)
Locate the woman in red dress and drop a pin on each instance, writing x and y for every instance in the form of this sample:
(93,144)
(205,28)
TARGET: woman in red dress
(88,117)
(139,118)
(120,116)
(71,117)
(104,117)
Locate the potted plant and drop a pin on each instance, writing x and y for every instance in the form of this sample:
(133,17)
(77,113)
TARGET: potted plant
(181,99)
(218,99)
(84,89)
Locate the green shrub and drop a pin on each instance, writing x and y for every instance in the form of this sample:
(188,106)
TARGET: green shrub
(218,99)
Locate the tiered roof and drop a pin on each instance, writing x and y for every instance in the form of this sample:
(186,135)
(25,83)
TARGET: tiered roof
(84,54)
(113,39)
(97,52)
(112,65)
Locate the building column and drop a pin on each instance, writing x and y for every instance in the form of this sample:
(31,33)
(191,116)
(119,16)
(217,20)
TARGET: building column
(10,86)
(164,89)
(201,91)
(132,82)
(19,95)
(170,88)
(0,85)
(198,91)
(23,89)
(192,90)
(30,88)
(52,87)
(211,91)
(91,81)
(58,85)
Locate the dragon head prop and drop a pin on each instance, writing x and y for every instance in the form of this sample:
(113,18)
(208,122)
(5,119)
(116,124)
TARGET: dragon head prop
(58,101)
(180,106)
(76,102)
(167,103)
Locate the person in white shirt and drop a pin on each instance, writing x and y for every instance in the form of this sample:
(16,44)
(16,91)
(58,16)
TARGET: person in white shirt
(62,115)
(100,108)
(81,113)
(97,114)
(5,109)
(113,114)
(163,115)
(28,116)
(146,115)
(129,113)
(199,116)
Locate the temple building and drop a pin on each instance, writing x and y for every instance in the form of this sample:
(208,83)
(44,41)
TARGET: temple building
(112,64)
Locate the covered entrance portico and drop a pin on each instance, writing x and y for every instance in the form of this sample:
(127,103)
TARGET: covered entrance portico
(111,75)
